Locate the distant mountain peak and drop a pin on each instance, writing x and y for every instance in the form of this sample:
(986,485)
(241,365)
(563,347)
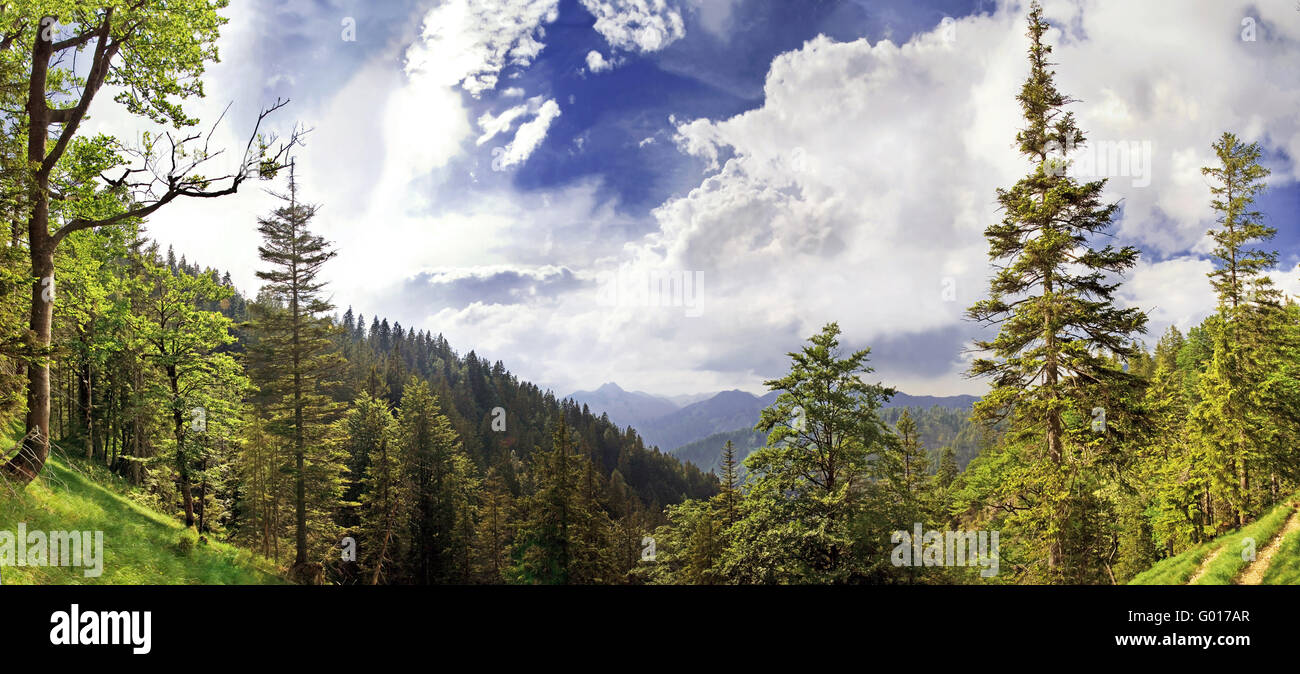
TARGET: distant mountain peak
(624,407)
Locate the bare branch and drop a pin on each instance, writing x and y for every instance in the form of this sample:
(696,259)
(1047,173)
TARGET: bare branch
(180,179)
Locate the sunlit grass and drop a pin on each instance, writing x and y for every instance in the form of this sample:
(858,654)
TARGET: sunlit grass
(141,547)
(1230,563)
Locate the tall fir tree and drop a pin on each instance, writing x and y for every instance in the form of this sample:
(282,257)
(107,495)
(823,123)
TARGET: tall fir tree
(1053,361)
(562,520)
(1229,420)
(294,361)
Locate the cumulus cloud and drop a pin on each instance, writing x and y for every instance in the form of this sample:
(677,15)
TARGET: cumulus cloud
(596,62)
(858,191)
(637,25)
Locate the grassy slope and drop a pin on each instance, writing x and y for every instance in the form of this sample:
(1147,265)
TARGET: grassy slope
(141,547)
(1179,569)
(1285,568)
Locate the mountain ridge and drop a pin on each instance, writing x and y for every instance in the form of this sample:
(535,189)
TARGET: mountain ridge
(721,412)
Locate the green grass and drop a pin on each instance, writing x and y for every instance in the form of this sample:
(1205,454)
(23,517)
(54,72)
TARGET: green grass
(1176,570)
(1179,569)
(141,547)
(1229,564)
(1285,567)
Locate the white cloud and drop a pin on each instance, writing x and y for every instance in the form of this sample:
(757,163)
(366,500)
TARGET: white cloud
(858,191)
(1172,292)
(469,42)
(714,15)
(530,136)
(596,62)
(492,125)
(637,25)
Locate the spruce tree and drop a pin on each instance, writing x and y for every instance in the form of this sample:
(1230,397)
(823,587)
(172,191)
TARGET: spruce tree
(294,358)
(382,491)
(1052,363)
(443,488)
(729,496)
(903,470)
(563,522)
(947,467)
(495,531)
(1229,420)
(1239,276)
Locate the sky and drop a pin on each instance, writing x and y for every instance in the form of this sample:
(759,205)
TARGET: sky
(673,194)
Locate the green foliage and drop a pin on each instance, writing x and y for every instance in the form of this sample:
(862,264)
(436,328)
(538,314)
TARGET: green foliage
(806,515)
(294,362)
(1055,363)
(563,534)
(443,489)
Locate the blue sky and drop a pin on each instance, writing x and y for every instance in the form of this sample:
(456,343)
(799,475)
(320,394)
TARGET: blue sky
(490,169)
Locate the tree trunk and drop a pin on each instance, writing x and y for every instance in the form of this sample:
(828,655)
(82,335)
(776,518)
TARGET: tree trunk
(178,430)
(27,464)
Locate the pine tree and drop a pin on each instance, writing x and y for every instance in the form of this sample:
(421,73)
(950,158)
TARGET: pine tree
(947,467)
(810,486)
(903,470)
(265,473)
(382,490)
(495,531)
(729,496)
(557,540)
(1173,474)
(1239,277)
(443,488)
(1229,419)
(294,359)
(1052,363)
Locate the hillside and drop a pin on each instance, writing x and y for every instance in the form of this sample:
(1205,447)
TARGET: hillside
(1274,538)
(941,425)
(141,547)
(726,411)
(707,453)
(674,424)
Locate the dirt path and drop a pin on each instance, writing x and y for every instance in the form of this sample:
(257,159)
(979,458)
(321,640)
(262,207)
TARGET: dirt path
(1254,574)
(1205,564)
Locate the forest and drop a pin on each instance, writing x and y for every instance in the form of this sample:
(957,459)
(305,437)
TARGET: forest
(299,430)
